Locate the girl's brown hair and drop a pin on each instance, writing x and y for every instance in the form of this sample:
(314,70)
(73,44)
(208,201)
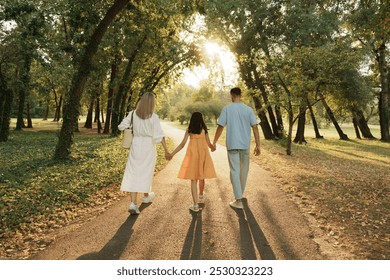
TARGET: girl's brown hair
(196,123)
(145,106)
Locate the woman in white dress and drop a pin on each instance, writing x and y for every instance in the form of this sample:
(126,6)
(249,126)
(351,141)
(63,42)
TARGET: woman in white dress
(140,165)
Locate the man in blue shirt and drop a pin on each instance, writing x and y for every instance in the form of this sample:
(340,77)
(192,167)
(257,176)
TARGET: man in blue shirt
(239,119)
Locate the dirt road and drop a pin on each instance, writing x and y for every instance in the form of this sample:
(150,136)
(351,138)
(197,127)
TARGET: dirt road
(269,227)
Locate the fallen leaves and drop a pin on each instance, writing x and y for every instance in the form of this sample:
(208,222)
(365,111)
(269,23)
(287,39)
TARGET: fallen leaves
(344,186)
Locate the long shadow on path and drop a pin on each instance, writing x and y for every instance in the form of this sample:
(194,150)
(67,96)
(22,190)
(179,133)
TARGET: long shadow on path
(192,246)
(252,237)
(115,247)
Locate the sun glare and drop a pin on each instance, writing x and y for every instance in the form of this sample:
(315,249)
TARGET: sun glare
(227,65)
(212,48)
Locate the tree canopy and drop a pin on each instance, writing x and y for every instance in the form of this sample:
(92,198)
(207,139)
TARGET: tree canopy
(328,58)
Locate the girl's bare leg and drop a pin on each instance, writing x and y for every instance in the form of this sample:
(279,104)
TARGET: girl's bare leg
(201,187)
(194,191)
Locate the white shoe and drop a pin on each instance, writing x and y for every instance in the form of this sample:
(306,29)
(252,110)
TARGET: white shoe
(133,209)
(195,208)
(236,204)
(149,198)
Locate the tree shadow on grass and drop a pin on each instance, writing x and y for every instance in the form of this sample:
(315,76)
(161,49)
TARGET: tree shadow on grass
(252,237)
(192,246)
(118,243)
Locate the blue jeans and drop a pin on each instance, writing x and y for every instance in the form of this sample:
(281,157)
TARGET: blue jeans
(239,168)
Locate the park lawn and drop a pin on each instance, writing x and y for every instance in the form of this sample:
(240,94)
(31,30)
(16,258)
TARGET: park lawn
(344,185)
(39,195)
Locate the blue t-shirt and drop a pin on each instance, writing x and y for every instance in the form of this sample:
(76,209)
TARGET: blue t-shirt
(238,119)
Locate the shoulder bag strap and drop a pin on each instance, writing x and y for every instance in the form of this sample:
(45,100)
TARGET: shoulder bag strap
(131,122)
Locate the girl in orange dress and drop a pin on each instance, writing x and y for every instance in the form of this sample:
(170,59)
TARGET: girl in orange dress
(197,163)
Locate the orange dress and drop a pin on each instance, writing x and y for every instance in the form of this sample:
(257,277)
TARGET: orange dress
(197,163)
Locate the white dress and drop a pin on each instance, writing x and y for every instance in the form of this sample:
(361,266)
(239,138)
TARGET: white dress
(140,165)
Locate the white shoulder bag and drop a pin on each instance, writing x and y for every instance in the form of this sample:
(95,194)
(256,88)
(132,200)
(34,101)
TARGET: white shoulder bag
(128,135)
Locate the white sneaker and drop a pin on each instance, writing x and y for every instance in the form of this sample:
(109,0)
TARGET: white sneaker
(133,209)
(149,198)
(195,208)
(236,204)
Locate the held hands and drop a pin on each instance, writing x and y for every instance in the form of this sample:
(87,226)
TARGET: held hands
(213,147)
(168,156)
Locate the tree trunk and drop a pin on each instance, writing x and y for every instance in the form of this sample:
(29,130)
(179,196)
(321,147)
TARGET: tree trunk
(384,116)
(97,110)
(46,111)
(123,89)
(56,101)
(102,113)
(361,122)
(260,86)
(290,113)
(23,90)
(356,127)
(71,107)
(5,116)
(300,135)
(29,121)
(3,88)
(57,115)
(88,121)
(119,99)
(99,124)
(289,134)
(20,122)
(264,124)
(279,119)
(314,121)
(124,105)
(114,71)
(333,119)
(76,126)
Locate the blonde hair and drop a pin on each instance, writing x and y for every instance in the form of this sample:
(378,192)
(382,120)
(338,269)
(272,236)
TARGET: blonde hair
(145,106)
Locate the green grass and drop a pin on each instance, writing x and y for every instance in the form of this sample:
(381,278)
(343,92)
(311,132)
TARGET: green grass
(37,192)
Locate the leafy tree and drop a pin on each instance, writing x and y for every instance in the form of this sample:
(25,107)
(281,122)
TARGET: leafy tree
(368,22)
(27,33)
(72,102)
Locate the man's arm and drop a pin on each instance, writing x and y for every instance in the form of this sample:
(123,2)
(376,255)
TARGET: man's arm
(218,133)
(257,139)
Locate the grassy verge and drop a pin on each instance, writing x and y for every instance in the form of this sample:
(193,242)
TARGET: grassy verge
(344,185)
(39,195)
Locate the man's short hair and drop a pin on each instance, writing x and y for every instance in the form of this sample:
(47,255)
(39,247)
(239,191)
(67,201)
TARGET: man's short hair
(235,91)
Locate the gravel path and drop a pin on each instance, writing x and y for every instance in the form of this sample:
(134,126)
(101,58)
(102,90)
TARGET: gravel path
(269,227)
